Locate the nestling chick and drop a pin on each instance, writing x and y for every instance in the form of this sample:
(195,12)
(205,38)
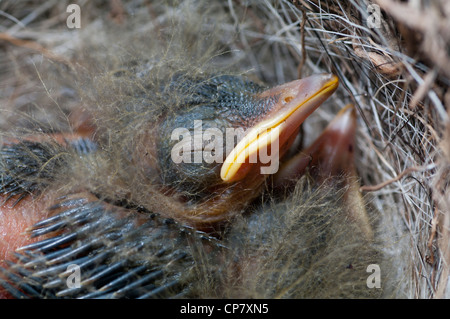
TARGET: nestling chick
(307,245)
(139,224)
(222,102)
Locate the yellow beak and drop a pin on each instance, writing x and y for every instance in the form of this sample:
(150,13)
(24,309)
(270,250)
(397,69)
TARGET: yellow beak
(295,102)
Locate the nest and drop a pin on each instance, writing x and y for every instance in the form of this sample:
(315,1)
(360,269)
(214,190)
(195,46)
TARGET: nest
(391,57)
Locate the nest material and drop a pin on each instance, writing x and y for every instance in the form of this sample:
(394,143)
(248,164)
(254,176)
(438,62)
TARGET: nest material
(396,73)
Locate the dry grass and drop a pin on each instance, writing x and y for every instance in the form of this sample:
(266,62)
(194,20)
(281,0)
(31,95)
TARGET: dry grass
(396,74)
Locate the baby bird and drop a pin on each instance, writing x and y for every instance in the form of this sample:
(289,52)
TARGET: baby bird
(192,196)
(176,183)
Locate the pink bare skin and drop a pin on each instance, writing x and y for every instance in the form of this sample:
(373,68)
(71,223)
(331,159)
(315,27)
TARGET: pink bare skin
(14,222)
